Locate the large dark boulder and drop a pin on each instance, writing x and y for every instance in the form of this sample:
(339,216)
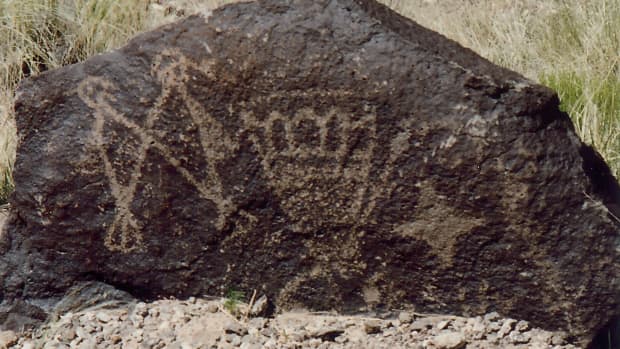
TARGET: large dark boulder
(331,154)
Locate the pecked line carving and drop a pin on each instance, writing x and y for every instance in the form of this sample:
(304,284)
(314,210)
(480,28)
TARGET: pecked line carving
(312,161)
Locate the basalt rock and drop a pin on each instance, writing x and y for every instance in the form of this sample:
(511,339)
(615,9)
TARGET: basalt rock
(330,154)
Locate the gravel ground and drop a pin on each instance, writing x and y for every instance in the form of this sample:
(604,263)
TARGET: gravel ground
(209,323)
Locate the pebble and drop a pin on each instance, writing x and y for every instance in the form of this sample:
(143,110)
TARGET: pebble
(327,333)
(103,317)
(422,324)
(506,328)
(250,346)
(476,328)
(235,328)
(522,326)
(516,337)
(372,326)
(490,317)
(405,317)
(257,323)
(7,339)
(212,307)
(67,334)
(449,340)
(28,345)
(443,324)
(260,306)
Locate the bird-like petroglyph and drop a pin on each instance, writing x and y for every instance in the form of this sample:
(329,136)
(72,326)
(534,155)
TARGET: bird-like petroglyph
(124,234)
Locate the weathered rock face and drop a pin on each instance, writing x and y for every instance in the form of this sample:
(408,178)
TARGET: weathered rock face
(331,154)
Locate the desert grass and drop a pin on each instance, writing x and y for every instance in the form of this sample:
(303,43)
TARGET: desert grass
(571,45)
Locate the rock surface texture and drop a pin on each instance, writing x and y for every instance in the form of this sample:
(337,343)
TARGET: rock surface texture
(330,154)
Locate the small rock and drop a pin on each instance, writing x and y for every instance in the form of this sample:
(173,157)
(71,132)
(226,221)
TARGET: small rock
(558,339)
(522,326)
(258,323)
(491,337)
(154,312)
(87,344)
(327,333)
(490,317)
(506,328)
(28,345)
(74,343)
(67,334)
(115,339)
(518,338)
(314,342)
(246,345)
(493,327)
(458,322)
(443,324)
(268,332)
(405,317)
(81,332)
(390,331)
(341,339)
(449,340)
(87,317)
(475,328)
(103,317)
(179,317)
(141,309)
(185,345)
(372,326)
(260,306)
(248,339)
(298,335)
(235,328)
(235,340)
(164,326)
(422,324)
(7,339)
(151,343)
(138,322)
(271,343)
(212,307)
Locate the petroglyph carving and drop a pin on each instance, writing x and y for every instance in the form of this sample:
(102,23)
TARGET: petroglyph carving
(322,163)
(438,216)
(125,234)
(314,163)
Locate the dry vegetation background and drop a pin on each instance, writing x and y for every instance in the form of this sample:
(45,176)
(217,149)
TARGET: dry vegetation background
(572,46)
